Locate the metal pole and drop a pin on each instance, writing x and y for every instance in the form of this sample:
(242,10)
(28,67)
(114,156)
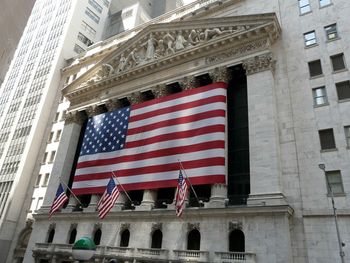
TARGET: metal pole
(126,193)
(340,243)
(188,179)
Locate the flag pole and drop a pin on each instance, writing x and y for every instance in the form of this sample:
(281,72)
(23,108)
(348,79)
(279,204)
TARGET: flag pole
(126,193)
(188,179)
(76,198)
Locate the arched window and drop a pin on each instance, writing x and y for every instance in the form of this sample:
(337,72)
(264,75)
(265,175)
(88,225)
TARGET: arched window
(51,235)
(236,241)
(194,240)
(157,238)
(97,236)
(72,236)
(124,238)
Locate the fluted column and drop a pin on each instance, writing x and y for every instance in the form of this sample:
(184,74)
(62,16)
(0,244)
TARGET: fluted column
(95,198)
(62,166)
(265,170)
(148,200)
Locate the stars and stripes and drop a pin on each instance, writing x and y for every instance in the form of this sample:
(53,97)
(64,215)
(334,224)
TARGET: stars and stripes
(144,142)
(108,199)
(59,200)
(181,194)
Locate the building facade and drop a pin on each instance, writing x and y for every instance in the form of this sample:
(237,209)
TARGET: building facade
(288,90)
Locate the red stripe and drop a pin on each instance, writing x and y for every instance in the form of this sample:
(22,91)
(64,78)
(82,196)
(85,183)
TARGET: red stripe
(177,121)
(205,162)
(179,107)
(176,136)
(184,93)
(220,179)
(156,153)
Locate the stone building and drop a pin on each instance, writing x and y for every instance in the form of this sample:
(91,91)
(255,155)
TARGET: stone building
(288,90)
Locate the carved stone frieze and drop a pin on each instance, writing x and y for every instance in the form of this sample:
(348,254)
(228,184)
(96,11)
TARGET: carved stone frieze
(135,98)
(192,226)
(258,63)
(221,74)
(189,82)
(75,117)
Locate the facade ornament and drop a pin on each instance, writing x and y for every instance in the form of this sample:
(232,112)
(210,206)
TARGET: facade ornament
(160,90)
(135,98)
(193,37)
(157,226)
(221,74)
(77,117)
(189,82)
(150,47)
(94,110)
(235,225)
(124,226)
(160,50)
(258,63)
(113,104)
(106,70)
(191,226)
(169,40)
(180,42)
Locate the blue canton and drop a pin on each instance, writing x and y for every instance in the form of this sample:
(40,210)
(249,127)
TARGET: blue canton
(106,132)
(110,186)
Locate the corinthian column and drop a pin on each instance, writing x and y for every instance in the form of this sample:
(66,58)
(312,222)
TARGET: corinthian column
(265,170)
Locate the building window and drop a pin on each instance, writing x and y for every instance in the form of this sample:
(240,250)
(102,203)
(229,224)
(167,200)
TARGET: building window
(45,157)
(157,237)
(334,182)
(52,156)
(95,5)
(88,29)
(84,39)
(310,38)
(315,68)
(46,179)
(106,3)
(343,90)
(327,139)
(324,2)
(92,15)
(338,62)
(58,135)
(304,6)
(320,96)
(236,241)
(38,179)
(50,137)
(51,235)
(347,135)
(97,236)
(39,203)
(194,240)
(331,32)
(124,238)
(72,236)
(78,49)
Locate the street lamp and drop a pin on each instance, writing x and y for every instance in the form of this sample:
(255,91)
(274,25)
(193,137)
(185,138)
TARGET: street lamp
(322,166)
(83,249)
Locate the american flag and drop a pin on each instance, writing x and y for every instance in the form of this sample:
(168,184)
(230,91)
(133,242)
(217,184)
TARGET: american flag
(143,142)
(181,194)
(59,200)
(108,199)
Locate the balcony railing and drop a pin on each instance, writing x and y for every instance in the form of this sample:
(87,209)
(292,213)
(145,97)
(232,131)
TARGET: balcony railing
(192,255)
(234,257)
(153,253)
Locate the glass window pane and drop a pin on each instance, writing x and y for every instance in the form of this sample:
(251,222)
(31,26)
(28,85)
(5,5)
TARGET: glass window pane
(324,2)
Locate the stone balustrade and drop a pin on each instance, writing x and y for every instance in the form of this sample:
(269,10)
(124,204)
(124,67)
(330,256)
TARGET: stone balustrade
(161,255)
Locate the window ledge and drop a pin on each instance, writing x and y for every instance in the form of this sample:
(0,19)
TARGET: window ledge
(318,76)
(303,14)
(333,39)
(344,100)
(340,70)
(329,150)
(324,6)
(336,195)
(311,46)
(321,105)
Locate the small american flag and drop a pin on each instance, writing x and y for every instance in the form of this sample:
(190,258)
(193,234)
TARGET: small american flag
(59,200)
(181,194)
(108,199)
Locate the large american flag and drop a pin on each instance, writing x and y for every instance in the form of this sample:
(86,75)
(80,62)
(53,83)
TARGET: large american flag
(145,141)
(58,202)
(108,199)
(181,194)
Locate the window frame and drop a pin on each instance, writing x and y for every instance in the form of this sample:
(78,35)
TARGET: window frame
(316,96)
(338,86)
(327,143)
(324,5)
(329,184)
(311,39)
(302,7)
(343,60)
(328,33)
(347,135)
(310,63)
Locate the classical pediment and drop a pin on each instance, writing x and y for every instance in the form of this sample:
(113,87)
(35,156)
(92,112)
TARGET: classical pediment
(168,44)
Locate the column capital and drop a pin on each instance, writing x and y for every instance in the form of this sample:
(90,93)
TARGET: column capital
(94,110)
(113,104)
(258,63)
(160,91)
(135,97)
(77,117)
(220,74)
(189,82)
